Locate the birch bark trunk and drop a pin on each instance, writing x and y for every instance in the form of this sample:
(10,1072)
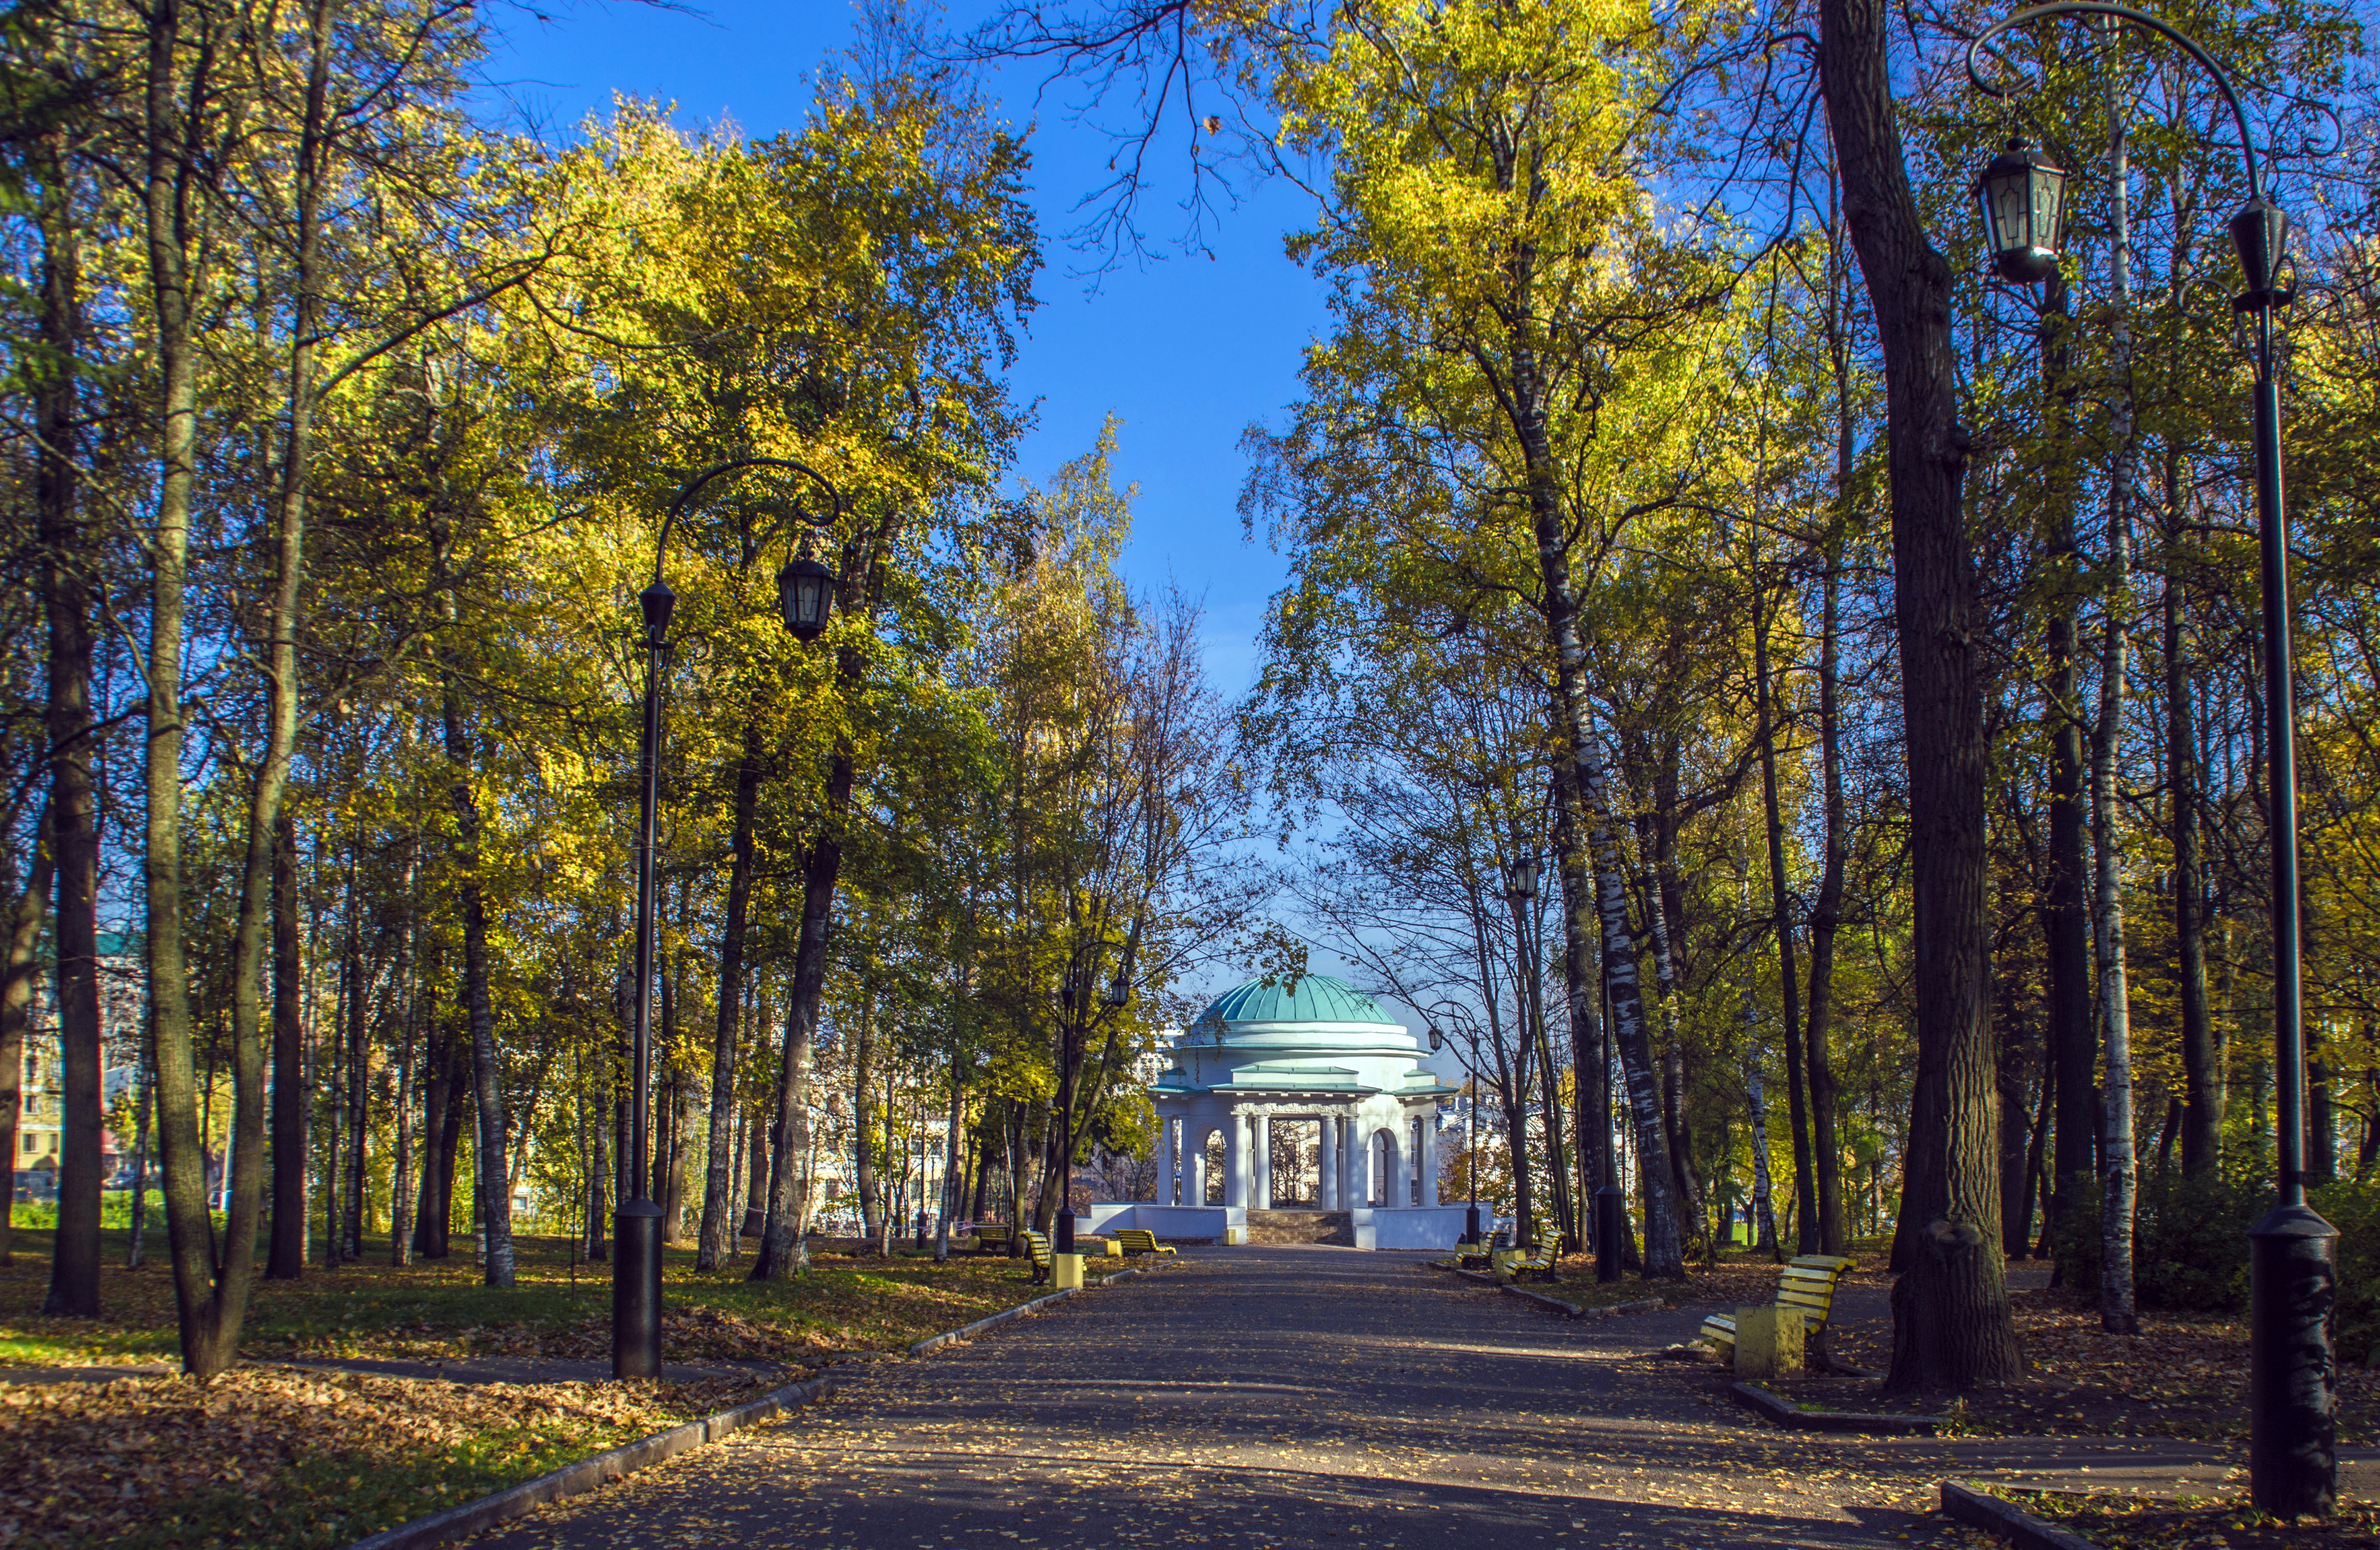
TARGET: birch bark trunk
(2120,1171)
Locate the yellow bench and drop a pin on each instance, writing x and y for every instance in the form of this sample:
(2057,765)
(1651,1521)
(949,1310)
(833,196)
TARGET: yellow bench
(990,1236)
(1139,1240)
(1037,1246)
(1808,1283)
(1538,1262)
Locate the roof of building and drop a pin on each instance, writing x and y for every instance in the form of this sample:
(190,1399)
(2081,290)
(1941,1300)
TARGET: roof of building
(1308,998)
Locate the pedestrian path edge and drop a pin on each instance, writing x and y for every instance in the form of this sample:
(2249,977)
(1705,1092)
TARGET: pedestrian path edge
(1980,1510)
(572,1479)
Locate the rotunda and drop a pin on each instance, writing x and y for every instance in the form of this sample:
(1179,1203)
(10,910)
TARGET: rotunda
(1303,1097)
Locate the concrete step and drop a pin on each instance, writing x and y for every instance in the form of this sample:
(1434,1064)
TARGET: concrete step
(1301,1226)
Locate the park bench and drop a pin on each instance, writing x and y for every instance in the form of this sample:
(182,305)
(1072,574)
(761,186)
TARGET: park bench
(1807,1282)
(1037,1246)
(990,1236)
(1136,1241)
(1538,1262)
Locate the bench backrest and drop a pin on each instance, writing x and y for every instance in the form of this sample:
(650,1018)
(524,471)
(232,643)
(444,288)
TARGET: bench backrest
(1808,1283)
(1137,1238)
(990,1233)
(1038,1242)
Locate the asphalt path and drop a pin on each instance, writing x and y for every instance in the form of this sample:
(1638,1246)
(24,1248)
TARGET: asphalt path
(1277,1396)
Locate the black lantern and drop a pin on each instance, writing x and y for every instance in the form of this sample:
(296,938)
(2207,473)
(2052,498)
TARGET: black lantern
(806,592)
(2023,200)
(1524,879)
(1437,1039)
(1118,991)
(2260,233)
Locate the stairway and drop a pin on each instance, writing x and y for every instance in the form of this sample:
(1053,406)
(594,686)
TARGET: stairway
(1301,1226)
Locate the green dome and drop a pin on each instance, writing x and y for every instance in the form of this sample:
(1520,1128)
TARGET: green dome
(1313,998)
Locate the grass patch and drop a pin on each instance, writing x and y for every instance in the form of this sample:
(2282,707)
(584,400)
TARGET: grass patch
(2221,1523)
(276,1457)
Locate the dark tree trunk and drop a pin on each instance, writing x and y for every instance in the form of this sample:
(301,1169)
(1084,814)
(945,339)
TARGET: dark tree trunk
(69,568)
(495,1195)
(2073,1039)
(287,1261)
(718,1183)
(1952,1328)
(2201,1117)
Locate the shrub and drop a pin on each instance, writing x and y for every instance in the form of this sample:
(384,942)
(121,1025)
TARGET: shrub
(2190,1240)
(2354,1210)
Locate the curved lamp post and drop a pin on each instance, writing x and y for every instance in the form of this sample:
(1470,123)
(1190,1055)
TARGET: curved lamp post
(2293,1459)
(805,596)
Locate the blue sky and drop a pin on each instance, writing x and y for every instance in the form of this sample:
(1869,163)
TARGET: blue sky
(1186,352)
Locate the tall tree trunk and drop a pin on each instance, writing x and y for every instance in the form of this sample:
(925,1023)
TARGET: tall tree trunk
(1780,923)
(25,917)
(2202,1115)
(718,1184)
(1826,908)
(400,1179)
(69,566)
(495,1195)
(1582,995)
(357,977)
(2016,1183)
(1764,1208)
(287,1258)
(2073,1038)
(784,1253)
(211,1292)
(1952,1326)
(436,1096)
(2119,1171)
(864,1120)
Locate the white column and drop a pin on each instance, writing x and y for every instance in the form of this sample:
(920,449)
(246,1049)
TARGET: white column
(1355,1166)
(1195,1175)
(1326,1163)
(1169,1157)
(1429,1157)
(1261,1178)
(1235,1161)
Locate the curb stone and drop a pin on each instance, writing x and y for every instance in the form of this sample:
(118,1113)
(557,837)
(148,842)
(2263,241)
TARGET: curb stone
(588,1475)
(1980,1509)
(1784,1414)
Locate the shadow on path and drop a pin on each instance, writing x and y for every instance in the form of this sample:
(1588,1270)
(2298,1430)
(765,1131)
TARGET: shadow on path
(1275,1396)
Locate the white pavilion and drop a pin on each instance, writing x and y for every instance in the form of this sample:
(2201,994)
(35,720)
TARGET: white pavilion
(1297,1097)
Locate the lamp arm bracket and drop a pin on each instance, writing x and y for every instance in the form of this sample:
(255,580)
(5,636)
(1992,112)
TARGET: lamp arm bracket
(694,485)
(2158,25)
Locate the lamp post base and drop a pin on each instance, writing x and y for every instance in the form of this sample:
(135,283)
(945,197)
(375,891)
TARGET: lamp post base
(1610,1233)
(1064,1242)
(2292,1430)
(1471,1224)
(637,1290)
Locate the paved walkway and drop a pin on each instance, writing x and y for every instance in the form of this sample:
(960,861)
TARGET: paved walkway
(1293,1396)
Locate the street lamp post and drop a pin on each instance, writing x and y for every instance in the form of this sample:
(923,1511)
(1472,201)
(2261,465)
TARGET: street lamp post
(2292,1458)
(805,596)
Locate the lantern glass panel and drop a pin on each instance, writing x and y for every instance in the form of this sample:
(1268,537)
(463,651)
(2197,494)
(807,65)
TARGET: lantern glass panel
(806,592)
